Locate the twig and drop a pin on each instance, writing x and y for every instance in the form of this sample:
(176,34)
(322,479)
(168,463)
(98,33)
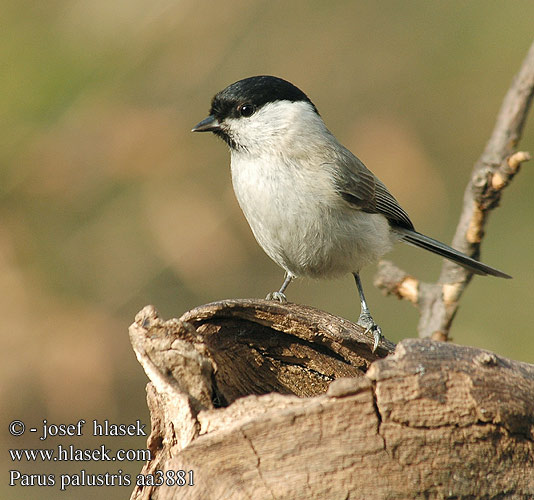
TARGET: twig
(492,172)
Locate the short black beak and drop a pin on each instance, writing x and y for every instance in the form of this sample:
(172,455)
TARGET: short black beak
(209,124)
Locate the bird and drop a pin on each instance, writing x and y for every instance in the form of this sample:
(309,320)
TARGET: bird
(313,206)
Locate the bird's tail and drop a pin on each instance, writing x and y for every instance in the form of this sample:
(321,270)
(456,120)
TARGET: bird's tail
(420,240)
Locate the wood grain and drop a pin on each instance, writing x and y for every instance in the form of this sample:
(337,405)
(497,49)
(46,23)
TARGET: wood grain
(278,401)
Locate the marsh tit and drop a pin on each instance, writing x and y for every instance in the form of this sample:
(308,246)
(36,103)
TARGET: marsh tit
(312,205)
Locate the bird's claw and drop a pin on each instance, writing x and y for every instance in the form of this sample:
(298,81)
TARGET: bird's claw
(366,321)
(279,296)
(377,335)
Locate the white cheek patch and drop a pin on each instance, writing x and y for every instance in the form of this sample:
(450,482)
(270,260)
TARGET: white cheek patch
(272,126)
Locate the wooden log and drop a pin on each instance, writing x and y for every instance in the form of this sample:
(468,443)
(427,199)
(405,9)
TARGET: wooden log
(280,401)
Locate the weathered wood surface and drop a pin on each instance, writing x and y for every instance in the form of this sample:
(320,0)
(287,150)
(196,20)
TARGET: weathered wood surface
(279,401)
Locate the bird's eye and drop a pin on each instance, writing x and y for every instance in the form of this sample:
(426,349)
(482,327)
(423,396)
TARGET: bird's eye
(246,110)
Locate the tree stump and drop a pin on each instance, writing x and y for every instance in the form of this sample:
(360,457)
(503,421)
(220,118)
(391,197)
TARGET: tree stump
(253,399)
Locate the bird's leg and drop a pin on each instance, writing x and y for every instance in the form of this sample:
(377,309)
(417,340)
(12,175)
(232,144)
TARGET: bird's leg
(279,295)
(366,320)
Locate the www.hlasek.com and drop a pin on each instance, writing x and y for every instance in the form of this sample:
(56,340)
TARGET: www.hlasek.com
(70,453)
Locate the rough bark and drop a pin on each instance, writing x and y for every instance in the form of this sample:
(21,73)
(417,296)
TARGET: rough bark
(264,400)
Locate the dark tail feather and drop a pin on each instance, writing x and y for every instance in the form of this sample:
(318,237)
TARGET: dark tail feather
(432,245)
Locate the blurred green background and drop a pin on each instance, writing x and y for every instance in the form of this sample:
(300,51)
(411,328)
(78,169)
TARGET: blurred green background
(109,203)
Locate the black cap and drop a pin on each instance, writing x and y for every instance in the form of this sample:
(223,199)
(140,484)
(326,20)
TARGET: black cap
(257,91)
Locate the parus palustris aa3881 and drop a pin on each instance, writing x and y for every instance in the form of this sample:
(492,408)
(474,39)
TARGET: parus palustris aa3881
(312,205)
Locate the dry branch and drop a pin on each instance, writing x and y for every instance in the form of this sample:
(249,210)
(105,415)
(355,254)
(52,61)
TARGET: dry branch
(433,420)
(492,172)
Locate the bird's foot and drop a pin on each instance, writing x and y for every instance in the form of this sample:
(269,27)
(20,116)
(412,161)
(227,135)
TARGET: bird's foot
(279,296)
(366,321)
